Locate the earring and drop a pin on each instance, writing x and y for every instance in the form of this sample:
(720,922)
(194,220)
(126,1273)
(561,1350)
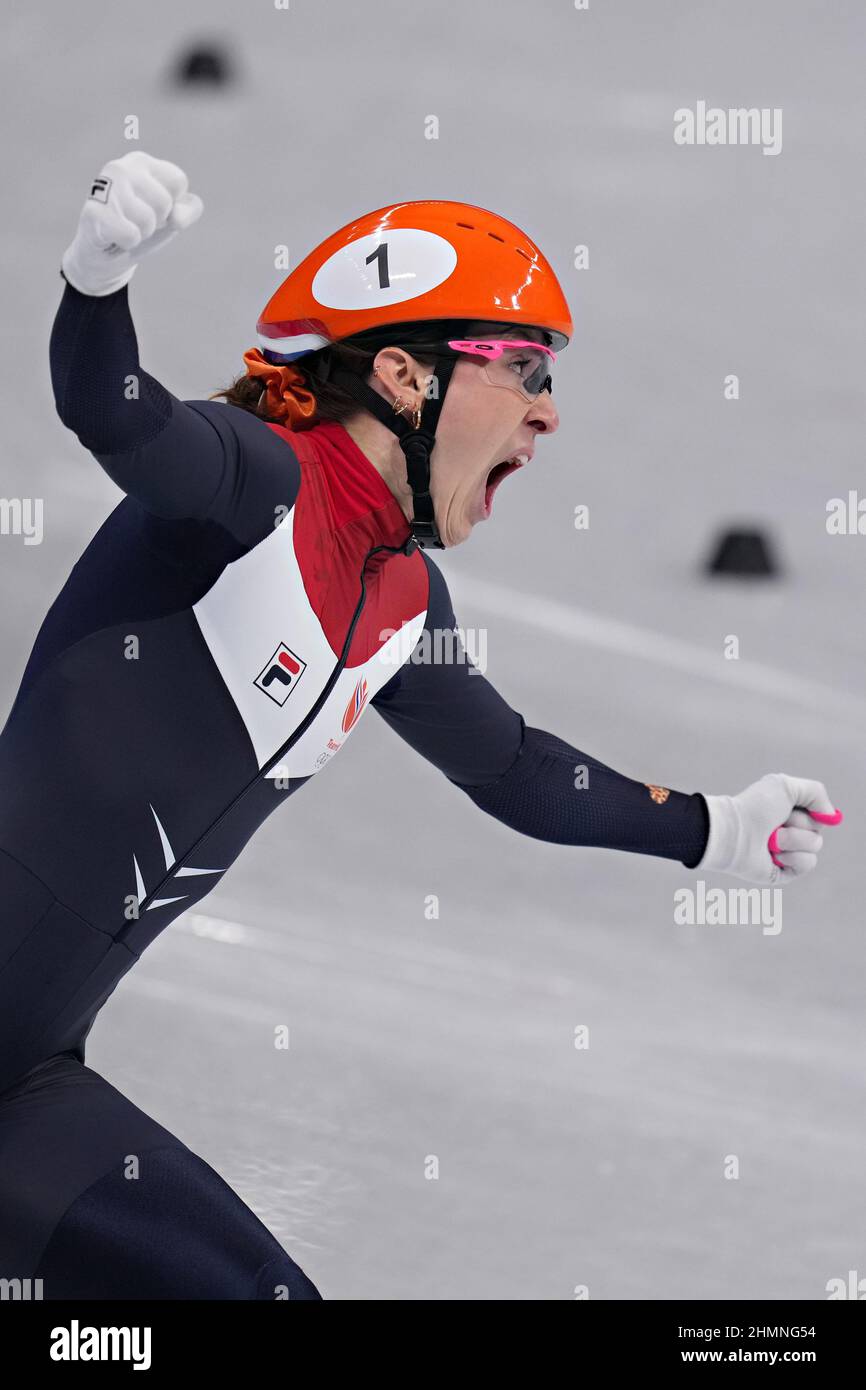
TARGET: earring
(400,405)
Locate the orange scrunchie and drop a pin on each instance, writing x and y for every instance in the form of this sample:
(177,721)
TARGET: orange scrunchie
(285,397)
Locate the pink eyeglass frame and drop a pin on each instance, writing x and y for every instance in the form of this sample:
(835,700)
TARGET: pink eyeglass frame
(492,348)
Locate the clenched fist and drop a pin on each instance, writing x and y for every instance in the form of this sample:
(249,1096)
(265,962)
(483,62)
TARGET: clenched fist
(135,206)
(769,833)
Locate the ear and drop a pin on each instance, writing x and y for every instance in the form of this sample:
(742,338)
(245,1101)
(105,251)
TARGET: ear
(398,370)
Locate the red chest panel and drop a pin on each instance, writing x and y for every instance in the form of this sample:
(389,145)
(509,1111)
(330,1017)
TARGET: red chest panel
(344,510)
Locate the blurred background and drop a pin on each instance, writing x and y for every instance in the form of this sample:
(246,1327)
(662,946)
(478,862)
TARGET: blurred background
(454,1037)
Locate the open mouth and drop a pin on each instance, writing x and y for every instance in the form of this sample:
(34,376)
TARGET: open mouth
(498,472)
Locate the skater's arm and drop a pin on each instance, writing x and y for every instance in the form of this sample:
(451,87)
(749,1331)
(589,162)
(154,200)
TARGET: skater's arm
(178,459)
(531,780)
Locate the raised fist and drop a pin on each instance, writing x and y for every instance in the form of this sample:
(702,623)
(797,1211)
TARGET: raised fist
(136,205)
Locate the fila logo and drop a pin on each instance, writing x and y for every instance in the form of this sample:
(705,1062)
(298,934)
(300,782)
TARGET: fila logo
(355,705)
(99,190)
(281,674)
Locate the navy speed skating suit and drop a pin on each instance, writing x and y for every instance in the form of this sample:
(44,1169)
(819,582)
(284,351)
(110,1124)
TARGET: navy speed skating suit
(223,634)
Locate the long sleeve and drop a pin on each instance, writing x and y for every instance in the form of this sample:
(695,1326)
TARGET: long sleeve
(532,781)
(179,459)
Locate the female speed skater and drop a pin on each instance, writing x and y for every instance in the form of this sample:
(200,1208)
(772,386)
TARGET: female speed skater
(265,579)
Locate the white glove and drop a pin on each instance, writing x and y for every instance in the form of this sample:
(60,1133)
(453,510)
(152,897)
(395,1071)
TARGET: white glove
(759,836)
(135,206)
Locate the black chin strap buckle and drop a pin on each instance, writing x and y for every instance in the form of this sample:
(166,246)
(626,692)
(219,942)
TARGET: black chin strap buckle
(425,534)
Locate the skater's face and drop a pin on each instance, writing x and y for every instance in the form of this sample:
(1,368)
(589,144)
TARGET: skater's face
(485,433)
(484,428)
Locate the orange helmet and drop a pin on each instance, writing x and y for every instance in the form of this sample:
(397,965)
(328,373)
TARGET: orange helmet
(403,266)
(412,262)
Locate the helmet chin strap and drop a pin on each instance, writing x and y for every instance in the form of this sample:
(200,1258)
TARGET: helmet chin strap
(417,445)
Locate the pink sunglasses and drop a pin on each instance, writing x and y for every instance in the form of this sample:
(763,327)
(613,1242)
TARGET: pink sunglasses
(536,379)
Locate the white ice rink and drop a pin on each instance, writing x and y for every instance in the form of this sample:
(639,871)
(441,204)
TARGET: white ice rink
(410,1037)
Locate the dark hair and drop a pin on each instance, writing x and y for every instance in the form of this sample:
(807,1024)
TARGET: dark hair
(357,355)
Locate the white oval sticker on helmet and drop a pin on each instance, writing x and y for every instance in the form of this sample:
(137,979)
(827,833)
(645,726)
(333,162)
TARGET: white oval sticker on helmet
(387,267)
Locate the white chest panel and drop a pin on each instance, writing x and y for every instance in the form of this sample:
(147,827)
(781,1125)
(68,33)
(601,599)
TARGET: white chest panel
(275,659)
